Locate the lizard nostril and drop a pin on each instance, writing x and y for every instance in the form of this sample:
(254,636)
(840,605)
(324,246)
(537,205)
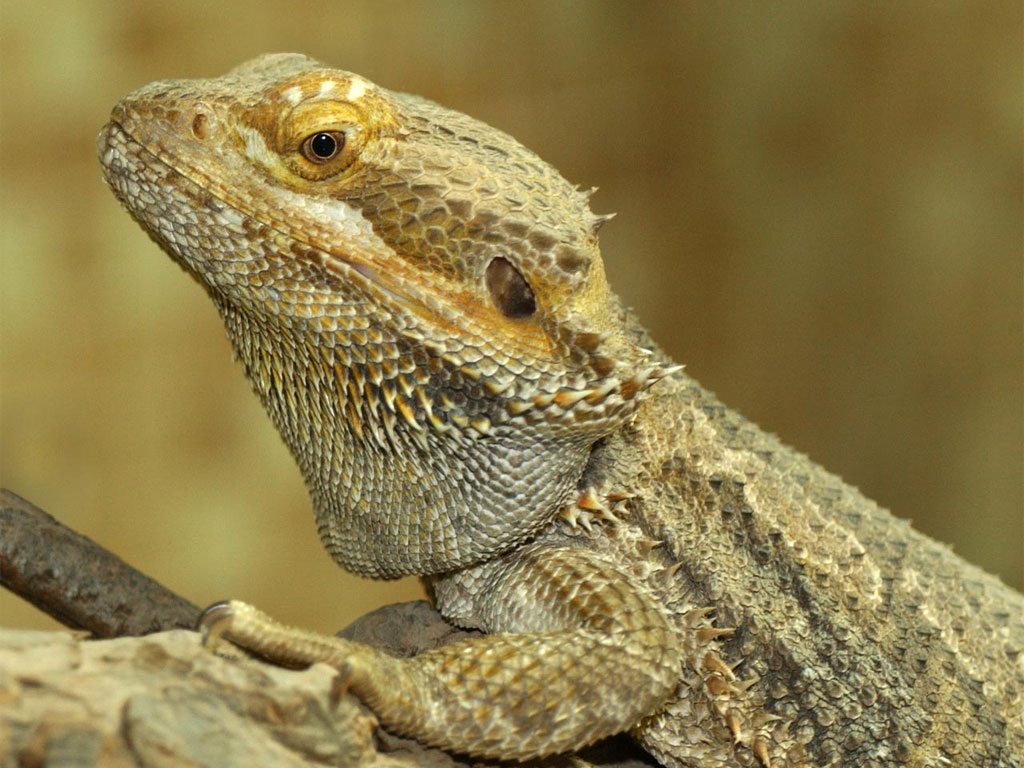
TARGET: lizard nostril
(200,126)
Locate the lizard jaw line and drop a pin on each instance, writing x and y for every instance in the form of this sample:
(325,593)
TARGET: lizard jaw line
(361,273)
(381,275)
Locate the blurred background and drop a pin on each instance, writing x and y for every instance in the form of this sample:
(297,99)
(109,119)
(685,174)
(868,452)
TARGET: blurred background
(820,213)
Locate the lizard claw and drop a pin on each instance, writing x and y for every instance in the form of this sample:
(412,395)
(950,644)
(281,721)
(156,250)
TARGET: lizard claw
(214,622)
(340,685)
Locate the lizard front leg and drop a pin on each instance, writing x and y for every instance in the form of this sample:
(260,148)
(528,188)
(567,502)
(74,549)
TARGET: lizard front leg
(588,655)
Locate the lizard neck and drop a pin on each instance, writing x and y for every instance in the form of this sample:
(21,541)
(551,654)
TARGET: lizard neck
(408,474)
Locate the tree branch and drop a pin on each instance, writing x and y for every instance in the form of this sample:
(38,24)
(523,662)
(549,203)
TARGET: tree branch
(78,582)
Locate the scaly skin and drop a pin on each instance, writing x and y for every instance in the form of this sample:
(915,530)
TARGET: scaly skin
(420,304)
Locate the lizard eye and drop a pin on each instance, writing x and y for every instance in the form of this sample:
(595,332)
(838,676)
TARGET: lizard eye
(509,289)
(321,147)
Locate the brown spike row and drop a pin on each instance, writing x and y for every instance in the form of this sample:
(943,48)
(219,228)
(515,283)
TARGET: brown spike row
(603,405)
(593,506)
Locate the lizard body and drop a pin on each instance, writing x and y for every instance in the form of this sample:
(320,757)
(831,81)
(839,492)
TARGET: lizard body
(420,304)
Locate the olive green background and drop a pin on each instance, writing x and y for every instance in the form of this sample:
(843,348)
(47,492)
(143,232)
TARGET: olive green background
(819,213)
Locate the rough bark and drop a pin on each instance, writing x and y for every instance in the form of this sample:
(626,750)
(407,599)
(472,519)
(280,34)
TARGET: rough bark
(79,583)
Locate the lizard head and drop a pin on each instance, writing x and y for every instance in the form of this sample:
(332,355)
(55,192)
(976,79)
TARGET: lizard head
(418,300)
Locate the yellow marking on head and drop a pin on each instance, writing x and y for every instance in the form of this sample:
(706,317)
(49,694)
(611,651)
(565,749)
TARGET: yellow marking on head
(357,88)
(327,87)
(293,95)
(256,148)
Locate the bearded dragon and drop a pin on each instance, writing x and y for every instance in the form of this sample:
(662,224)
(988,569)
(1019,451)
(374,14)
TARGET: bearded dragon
(420,304)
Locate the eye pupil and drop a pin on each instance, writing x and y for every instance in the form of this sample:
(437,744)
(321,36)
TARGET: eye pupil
(322,146)
(325,154)
(509,289)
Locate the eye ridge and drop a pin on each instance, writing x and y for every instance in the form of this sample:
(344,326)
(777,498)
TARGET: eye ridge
(509,290)
(323,146)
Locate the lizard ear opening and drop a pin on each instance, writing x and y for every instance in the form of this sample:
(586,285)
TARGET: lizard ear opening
(509,289)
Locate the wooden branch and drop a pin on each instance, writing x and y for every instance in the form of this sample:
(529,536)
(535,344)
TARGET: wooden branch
(78,582)
(164,700)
